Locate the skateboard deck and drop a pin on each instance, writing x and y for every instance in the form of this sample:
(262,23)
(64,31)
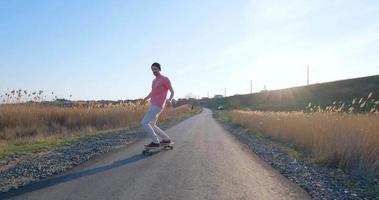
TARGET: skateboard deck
(150,150)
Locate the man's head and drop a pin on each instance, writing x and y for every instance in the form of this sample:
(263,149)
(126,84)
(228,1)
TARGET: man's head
(156,68)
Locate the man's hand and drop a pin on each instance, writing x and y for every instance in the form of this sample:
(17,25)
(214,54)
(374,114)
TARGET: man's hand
(169,103)
(143,102)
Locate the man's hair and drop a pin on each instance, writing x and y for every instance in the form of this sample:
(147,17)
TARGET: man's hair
(157,65)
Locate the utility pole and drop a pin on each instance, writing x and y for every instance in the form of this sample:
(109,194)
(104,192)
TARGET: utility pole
(251,86)
(224,92)
(307,74)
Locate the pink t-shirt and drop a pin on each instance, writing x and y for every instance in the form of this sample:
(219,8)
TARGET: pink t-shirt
(159,89)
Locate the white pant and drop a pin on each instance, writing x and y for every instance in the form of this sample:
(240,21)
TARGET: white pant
(149,123)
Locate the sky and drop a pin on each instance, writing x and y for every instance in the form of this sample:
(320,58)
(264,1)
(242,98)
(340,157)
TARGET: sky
(96,50)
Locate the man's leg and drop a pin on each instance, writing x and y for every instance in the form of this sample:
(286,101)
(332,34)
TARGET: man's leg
(159,131)
(150,116)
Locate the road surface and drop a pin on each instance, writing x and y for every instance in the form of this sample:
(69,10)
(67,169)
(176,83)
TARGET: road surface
(207,163)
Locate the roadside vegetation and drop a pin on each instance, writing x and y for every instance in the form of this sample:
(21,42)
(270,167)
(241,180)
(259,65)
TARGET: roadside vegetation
(27,123)
(339,135)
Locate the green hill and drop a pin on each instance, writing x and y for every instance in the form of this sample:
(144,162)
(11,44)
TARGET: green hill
(297,98)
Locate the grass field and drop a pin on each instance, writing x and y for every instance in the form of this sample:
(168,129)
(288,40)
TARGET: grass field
(347,140)
(29,127)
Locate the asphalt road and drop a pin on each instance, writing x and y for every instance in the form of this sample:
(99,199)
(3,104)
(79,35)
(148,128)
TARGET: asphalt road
(206,163)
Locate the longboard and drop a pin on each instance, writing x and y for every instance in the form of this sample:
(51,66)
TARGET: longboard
(150,150)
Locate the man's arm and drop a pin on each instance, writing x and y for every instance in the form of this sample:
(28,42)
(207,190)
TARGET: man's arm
(171,93)
(169,86)
(146,98)
(171,96)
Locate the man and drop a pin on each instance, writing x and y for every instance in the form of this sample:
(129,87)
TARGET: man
(161,85)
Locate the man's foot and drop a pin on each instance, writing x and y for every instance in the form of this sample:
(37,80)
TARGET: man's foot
(152,145)
(163,142)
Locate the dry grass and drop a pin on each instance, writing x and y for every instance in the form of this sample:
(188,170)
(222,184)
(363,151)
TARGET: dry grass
(363,105)
(28,123)
(349,140)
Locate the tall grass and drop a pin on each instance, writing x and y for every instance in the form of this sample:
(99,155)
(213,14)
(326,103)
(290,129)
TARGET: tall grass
(356,105)
(349,140)
(27,123)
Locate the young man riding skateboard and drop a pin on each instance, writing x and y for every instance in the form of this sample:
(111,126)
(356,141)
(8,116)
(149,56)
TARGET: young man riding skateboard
(160,86)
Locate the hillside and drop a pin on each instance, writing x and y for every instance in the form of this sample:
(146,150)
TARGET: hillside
(297,98)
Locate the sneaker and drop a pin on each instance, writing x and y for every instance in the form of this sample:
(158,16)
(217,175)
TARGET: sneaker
(165,142)
(152,145)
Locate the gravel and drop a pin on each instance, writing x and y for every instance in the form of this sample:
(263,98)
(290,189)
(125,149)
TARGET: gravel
(320,182)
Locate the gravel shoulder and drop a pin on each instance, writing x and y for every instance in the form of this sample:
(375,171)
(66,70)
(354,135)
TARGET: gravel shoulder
(320,182)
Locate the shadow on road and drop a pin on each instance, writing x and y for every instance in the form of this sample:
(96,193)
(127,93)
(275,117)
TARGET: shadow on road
(62,179)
